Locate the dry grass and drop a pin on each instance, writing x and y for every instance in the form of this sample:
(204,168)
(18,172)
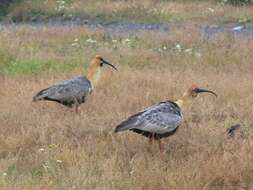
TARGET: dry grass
(146,11)
(199,156)
(45,146)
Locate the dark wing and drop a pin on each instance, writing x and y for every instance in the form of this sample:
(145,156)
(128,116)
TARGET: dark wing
(68,92)
(231,130)
(161,118)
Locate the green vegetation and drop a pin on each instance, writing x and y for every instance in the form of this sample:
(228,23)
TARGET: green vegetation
(53,49)
(237,2)
(32,67)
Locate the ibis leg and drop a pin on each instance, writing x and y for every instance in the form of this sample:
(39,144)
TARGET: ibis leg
(150,140)
(76,104)
(160,145)
(76,108)
(153,137)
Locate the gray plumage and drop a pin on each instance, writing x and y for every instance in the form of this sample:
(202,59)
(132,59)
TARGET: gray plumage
(70,92)
(161,120)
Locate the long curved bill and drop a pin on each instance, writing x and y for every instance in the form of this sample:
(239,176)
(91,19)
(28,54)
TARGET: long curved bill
(107,63)
(199,90)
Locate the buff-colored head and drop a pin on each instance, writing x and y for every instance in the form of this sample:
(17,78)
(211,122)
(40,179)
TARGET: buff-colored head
(192,93)
(98,62)
(94,69)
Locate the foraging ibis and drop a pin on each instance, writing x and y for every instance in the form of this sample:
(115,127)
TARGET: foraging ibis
(74,91)
(162,119)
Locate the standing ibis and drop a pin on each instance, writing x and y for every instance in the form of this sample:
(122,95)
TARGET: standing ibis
(162,119)
(74,91)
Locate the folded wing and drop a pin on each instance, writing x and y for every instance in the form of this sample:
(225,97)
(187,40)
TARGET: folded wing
(68,92)
(160,119)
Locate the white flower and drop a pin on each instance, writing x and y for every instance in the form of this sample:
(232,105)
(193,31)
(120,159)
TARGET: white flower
(178,47)
(238,28)
(60,5)
(211,10)
(74,44)
(114,41)
(189,51)
(41,150)
(91,41)
(4,174)
(126,40)
(59,161)
(164,48)
(198,54)
(159,50)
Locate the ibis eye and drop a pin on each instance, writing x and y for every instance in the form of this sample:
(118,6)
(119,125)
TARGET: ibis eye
(101,64)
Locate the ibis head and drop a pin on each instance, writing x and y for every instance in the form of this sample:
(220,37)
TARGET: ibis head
(98,61)
(194,91)
(191,94)
(94,69)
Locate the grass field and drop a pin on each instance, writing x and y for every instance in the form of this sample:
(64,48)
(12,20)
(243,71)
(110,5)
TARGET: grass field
(46,146)
(150,11)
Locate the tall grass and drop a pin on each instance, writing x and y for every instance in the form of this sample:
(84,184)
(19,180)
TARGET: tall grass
(61,49)
(47,146)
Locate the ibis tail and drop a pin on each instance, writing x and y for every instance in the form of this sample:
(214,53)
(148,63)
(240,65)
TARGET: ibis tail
(128,124)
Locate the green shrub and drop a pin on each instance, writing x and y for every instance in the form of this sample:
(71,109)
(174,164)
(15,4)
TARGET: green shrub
(237,2)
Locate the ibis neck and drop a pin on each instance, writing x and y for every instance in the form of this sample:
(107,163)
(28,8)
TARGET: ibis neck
(183,101)
(93,75)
